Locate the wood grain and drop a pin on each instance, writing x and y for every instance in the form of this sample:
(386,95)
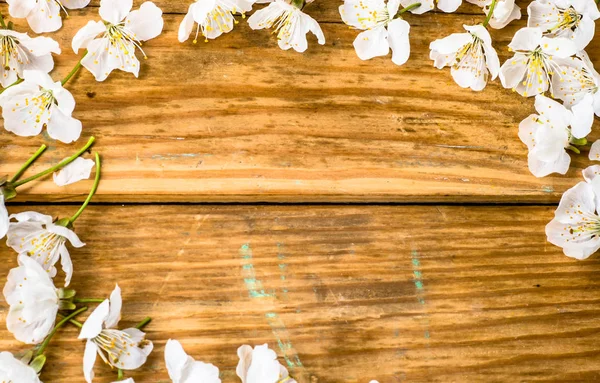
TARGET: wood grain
(237,119)
(422,293)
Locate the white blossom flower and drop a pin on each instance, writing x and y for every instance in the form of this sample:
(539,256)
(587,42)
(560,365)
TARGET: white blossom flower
(35,235)
(547,135)
(14,370)
(382,30)
(471,55)
(530,70)
(447,6)
(571,19)
(505,11)
(212,17)
(33,301)
(578,87)
(20,52)
(290,23)
(576,223)
(125,349)
(4,220)
(43,15)
(183,368)
(122,32)
(38,102)
(260,365)
(78,170)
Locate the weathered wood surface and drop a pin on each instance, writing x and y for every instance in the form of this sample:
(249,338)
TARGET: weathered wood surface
(237,119)
(352,293)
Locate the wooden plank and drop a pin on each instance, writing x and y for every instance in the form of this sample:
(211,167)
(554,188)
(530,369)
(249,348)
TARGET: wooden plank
(421,293)
(238,119)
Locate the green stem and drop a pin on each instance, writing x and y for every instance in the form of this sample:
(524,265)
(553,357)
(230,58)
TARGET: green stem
(92,192)
(88,300)
(2,23)
(490,13)
(43,346)
(28,163)
(143,323)
(60,165)
(73,71)
(120,374)
(72,321)
(11,85)
(408,8)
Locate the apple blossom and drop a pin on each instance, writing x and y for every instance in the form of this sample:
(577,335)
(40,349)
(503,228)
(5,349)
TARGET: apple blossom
(20,52)
(37,236)
(212,17)
(33,300)
(124,349)
(290,23)
(381,27)
(503,13)
(37,102)
(548,135)
(43,15)
(122,32)
(471,55)
(571,19)
(530,70)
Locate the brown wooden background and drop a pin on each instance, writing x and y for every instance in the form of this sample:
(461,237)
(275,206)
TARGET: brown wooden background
(438,271)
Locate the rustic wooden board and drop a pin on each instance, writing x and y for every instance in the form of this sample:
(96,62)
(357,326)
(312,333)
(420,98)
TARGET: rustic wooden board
(237,119)
(352,293)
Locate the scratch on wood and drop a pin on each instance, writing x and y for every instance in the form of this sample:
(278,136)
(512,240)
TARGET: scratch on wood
(283,267)
(257,291)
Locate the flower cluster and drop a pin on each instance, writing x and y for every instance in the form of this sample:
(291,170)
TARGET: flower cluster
(31,100)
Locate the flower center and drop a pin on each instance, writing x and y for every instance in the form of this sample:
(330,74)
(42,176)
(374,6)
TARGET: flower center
(114,344)
(569,21)
(44,247)
(540,67)
(471,57)
(587,226)
(9,50)
(219,18)
(123,39)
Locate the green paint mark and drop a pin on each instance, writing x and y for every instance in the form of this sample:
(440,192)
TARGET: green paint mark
(547,189)
(256,290)
(419,286)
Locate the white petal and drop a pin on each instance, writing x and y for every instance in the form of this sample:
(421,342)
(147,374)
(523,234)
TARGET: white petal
(75,4)
(245,355)
(78,170)
(595,151)
(449,6)
(89,359)
(3,217)
(94,323)
(63,127)
(398,31)
(202,372)
(66,263)
(558,47)
(372,43)
(32,216)
(513,71)
(45,17)
(526,39)
(583,117)
(146,23)
(543,15)
(67,233)
(87,34)
(541,168)
(116,303)
(591,173)
(555,113)
(114,11)
(584,33)
(175,359)
(136,356)
(514,15)
(20,8)
(527,130)
(264,367)
(186,27)
(451,44)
